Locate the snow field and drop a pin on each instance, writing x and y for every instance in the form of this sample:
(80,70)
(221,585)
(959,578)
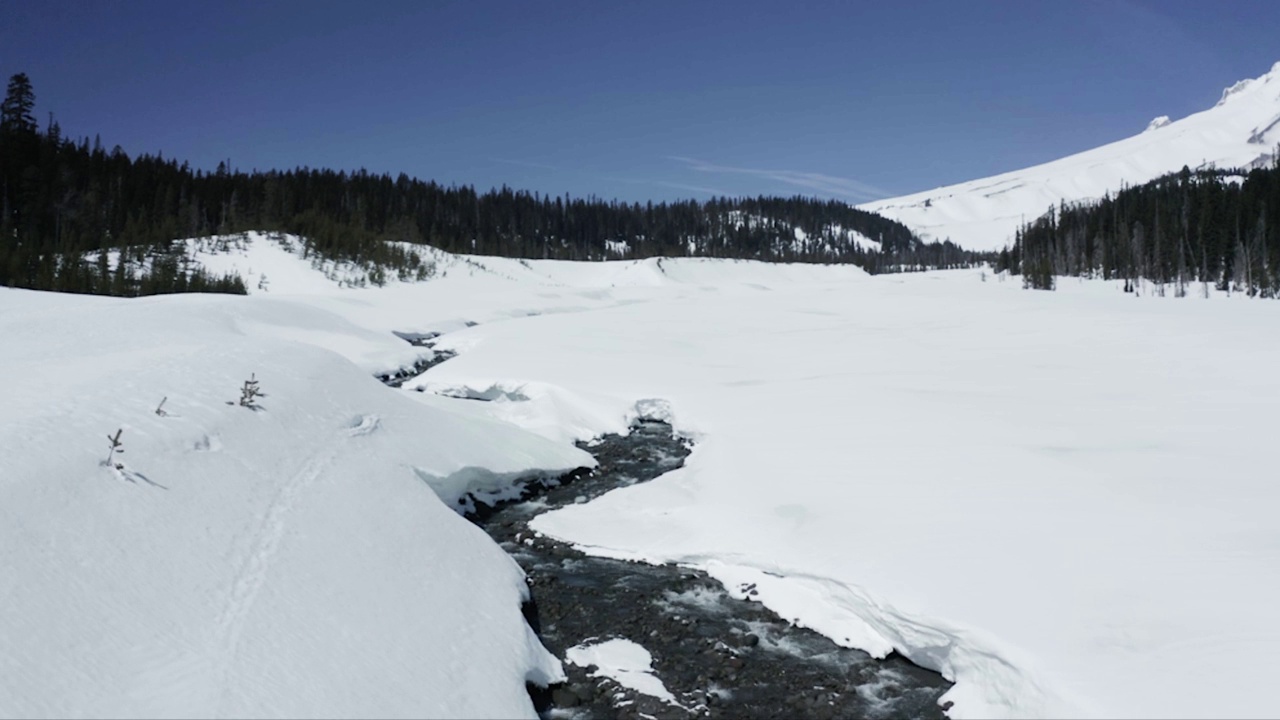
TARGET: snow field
(1059,499)
(1062,500)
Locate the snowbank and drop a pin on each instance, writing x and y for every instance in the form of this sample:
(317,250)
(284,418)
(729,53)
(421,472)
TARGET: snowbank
(298,560)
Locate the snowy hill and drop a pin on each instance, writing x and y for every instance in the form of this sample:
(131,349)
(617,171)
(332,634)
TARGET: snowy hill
(303,559)
(1241,131)
(276,264)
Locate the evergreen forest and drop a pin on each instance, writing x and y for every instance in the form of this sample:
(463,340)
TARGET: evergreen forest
(1183,233)
(76,217)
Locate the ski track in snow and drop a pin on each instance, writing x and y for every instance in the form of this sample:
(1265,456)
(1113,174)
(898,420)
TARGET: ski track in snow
(254,569)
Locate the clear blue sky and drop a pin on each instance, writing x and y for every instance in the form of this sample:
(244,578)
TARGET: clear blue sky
(636,100)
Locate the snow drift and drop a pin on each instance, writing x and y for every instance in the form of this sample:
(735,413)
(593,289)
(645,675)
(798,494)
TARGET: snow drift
(299,560)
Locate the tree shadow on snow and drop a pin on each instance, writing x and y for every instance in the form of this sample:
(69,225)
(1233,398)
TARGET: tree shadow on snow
(134,476)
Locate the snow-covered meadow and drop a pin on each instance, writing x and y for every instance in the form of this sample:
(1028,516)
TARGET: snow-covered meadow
(1063,501)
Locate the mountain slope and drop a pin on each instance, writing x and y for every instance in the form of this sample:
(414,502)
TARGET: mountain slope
(1241,130)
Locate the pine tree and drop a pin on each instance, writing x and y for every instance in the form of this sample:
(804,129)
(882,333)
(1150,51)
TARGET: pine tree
(17,112)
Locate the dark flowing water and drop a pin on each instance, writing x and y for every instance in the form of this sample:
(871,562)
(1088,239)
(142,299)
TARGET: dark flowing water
(719,656)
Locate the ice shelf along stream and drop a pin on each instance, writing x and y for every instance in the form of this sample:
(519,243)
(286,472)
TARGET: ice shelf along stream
(716,655)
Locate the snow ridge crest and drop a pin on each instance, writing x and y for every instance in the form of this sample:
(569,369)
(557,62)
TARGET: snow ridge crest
(1243,85)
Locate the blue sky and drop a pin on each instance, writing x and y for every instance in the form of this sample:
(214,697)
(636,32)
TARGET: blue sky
(639,100)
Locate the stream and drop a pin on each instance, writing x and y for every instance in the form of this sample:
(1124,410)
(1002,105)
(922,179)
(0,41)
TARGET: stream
(717,655)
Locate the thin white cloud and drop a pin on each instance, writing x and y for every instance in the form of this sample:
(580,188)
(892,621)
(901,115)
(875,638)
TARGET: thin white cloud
(701,189)
(681,186)
(527,163)
(823,184)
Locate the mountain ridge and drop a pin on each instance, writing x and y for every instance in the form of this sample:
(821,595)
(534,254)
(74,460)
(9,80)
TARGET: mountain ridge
(1242,130)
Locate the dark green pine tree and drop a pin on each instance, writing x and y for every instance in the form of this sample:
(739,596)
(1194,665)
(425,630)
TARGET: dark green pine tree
(17,112)
(1183,228)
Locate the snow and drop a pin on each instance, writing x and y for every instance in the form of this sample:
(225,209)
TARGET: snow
(617,248)
(835,231)
(1062,501)
(301,560)
(1242,130)
(270,262)
(626,662)
(1053,498)
(829,239)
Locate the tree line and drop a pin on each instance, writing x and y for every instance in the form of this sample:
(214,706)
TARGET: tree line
(1219,228)
(76,217)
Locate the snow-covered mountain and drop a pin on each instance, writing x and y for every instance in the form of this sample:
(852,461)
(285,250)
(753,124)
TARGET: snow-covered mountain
(1241,130)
